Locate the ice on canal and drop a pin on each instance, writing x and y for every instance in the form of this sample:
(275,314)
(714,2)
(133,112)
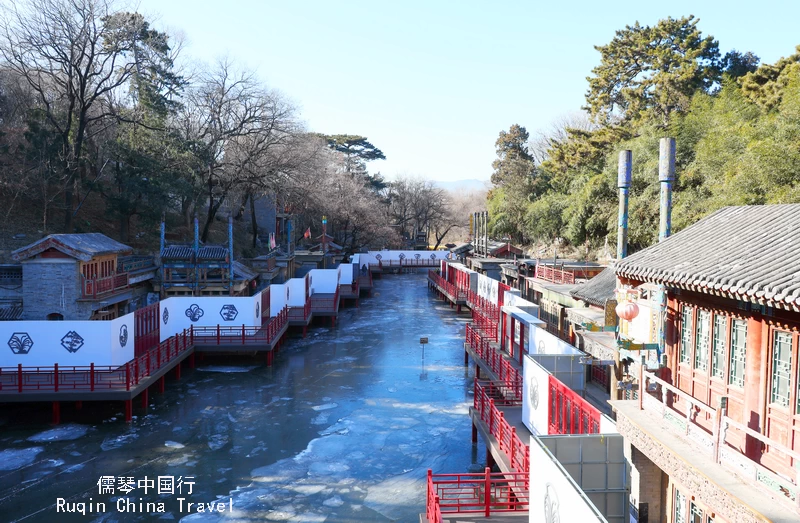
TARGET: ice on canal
(342,428)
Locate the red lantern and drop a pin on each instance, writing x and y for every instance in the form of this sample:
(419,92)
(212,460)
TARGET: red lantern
(627,310)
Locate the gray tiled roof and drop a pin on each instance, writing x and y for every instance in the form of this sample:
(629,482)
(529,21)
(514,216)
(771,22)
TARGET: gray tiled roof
(84,246)
(750,253)
(597,290)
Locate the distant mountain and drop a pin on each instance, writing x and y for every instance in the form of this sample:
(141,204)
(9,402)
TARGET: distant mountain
(464,185)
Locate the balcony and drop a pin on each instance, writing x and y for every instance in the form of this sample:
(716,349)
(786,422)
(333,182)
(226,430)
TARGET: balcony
(700,444)
(102,287)
(453,497)
(551,274)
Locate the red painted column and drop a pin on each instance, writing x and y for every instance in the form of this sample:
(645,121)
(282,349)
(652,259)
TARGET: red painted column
(128,411)
(56,412)
(144,398)
(269,358)
(161,382)
(191,360)
(178,371)
(521,342)
(78,405)
(754,376)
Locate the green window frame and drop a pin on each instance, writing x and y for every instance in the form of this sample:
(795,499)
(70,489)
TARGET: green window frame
(718,346)
(702,340)
(781,368)
(686,333)
(738,353)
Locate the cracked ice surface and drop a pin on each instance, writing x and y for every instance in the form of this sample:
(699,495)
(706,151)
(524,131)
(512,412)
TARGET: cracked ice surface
(12,459)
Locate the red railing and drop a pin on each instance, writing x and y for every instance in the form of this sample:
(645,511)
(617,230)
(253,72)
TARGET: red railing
(486,493)
(326,303)
(157,357)
(349,290)
(569,413)
(504,393)
(493,358)
(507,439)
(263,335)
(365,280)
(485,314)
(446,287)
(100,286)
(300,313)
(543,272)
(411,262)
(94,377)
(122,377)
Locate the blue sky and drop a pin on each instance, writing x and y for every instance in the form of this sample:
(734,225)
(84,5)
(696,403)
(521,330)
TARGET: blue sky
(432,83)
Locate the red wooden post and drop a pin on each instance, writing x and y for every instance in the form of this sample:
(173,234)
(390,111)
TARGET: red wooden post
(191,334)
(521,341)
(161,382)
(55,376)
(128,411)
(217,333)
(487,497)
(269,358)
(91,376)
(144,398)
(56,412)
(513,453)
(191,360)
(242,333)
(128,376)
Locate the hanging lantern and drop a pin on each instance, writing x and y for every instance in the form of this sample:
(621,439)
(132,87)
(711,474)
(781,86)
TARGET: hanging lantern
(627,310)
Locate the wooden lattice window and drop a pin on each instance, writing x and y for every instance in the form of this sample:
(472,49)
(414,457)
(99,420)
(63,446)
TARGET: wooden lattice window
(738,353)
(718,346)
(781,368)
(686,333)
(702,341)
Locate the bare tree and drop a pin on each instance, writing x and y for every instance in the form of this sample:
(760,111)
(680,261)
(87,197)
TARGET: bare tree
(417,205)
(72,54)
(234,124)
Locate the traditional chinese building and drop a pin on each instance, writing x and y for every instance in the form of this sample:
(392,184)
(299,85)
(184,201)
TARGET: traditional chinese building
(714,434)
(81,277)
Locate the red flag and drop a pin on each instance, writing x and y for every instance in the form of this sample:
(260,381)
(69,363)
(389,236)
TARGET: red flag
(307,234)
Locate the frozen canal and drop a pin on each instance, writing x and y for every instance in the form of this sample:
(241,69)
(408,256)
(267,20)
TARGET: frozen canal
(342,428)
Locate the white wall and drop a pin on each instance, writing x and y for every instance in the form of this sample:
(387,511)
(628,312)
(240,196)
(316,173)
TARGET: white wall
(535,396)
(608,425)
(184,312)
(488,288)
(346,274)
(513,299)
(323,280)
(277,299)
(409,255)
(47,349)
(554,496)
(122,330)
(297,292)
(542,342)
